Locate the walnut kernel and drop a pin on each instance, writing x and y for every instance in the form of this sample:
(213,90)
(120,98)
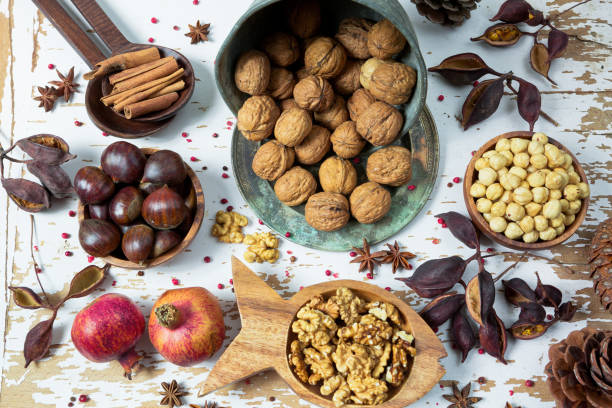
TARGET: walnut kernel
(262,248)
(228,227)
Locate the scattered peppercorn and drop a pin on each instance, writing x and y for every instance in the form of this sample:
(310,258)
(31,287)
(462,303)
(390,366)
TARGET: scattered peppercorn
(287,234)
(77,123)
(449,185)
(193,159)
(529,383)
(328,272)
(140,273)
(50,66)
(352,254)
(207,259)
(456,180)
(229,208)
(220,286)
(369,275)
(175,281)
(65,235)
(440,98)
(481,351)
(90,258)
(224,168)
(225,175)
(68,253)
(223,201)
(215,135)
(151,39)
(260,222)
(154,20)
(72,399)
(83,398)
(388,288)
(292,259)
(104,133)
(440,221)
(411,187)
(176,28)
(481,380)
(184,134)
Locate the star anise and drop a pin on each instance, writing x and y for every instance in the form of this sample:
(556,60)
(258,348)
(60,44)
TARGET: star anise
(66,86)
(47,97)
(198,33)
(396,257)
(207,404)
(461,399)
(171,394)
(366,259)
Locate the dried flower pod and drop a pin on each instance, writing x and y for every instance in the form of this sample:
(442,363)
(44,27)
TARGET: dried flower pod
(532,312)
(387,80)
(547,295)
(53,177)
(500,35)
(38,341)
(479,296)
(384,40)
(380,124)
(529,102)
(525,330)
(283,49)
(462,334)
(325,57)
(566,312)
(482,101)
(517,291)
(557,43)
(370,202)
(327,211)
(295,186)
(29,196)
(461,227)
(359,102)
(347,82)
(436,276)
(257,117)
(26,298)
(442,308)
(272,159)
(281,83)
(334,116)
(540,60)
(462,69)
(293,126)
(337,175)
(252,72)
(493,337)
(314,147)
(304,17)
(46,148)
(353,35)
(313,93)
(346,141)
(536,18)
(513,11)
(390,165)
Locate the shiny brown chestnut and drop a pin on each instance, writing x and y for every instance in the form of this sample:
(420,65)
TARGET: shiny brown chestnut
(92,185)
(185,226)
(125,206)
(163,209)
(190,200)
(164,167)
(123,162)
(98,211)
(165,240)
(137,243)
(98,237)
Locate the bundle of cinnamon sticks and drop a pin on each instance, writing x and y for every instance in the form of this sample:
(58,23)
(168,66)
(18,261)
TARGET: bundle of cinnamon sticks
(144,83)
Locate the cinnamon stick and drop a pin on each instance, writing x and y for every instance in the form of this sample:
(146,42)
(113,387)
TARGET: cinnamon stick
(147,94)
(123,61)
(115,98)
(150,105)
(148,76)
(132,72)
(175,87)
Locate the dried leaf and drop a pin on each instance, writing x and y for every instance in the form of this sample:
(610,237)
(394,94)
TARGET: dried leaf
(557,43)
(532,312)
(26,298)
(480,296)
(524,330)
(539,60)
(529,102)
(463,334)
(462,69)
(441,309)
(513,11)
(46,148)
(547,295)
(53,177)
(500,35)
(85,281)
(518,291)
(493,337)
(436,276)
(37,341)
(482,101)
(28,195)
(566,312)
(461,227)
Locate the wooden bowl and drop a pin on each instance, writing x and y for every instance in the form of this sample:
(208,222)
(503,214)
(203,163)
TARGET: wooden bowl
(483,225)
(193,230)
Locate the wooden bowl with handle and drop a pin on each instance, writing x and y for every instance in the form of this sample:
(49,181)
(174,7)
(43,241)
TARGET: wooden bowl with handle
(471,176)
(265,336)
(198,217)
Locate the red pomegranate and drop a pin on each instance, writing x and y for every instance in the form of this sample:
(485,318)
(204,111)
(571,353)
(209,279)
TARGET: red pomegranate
(107,329)
(186,325)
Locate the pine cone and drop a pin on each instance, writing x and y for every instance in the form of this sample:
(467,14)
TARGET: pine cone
(600,259)
(580,369)
(446,12)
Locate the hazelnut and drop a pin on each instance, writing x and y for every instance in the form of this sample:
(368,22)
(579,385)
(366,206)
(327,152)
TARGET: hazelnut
(488,217)
(539,137)
(560,229)
(540,223)
(346,142)
(282,48)
(571,192)
(370,202)
(389,81)
(287,104)
(334,116)
(252,72)
(497,161)
(295,186)
(509,181)
(502,144)
(494,191)
(314,147)
(519,171)
(574,178)
(337,175)
(537,178)
(522,195)
(521,159)
(384,40)
(584,190)
(540,195)
(347,82)
(325,57)
(487,176)
(304,17)
(481,163)
(359,102)
(558,220)
(538,160)
(353,35)
(527,224)
(531,237)
(327,211)
(390,165)
(293,126)
(554,181)
(548,234)
(515,212)
(569,219)
(513,231)
(555,156)
(574,207)
(483,205)
(555,194)
(498,209)
(477,190)
(551,209)
(257,116)
(272,159)
(281,83)
(506,197)
(535,147)
(508,155)
(518,145)
(380,124)
(313,93)
(498,224)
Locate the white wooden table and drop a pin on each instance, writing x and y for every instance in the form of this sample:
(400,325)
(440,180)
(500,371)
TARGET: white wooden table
(582,104)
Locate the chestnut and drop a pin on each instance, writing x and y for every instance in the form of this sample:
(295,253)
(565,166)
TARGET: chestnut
(125,206)
(98,211)
(163,209)
(92,185)
(185,226)
(164,241)
(165,167)
(137,243)
(148,188)
(98,237)
(123,162)
(190,200)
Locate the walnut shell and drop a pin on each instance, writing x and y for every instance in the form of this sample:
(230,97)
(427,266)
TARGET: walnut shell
(293,126)
(283,49)
(353,35)
(348,81)
(272,159)
(257,116)
(334,116)
(380,124)
(286,104)
(390,165)
(359,102)
(252,72)
(388,81)
(314,147)
(384,40)
(295,186)
(281,83)
(325,57)
(370,202)
(304,17)
(327,211)
(301,73)
(337,175)
(313,93)
(346,141)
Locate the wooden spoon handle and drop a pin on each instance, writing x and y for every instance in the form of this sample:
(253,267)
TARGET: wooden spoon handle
(104,27)
(70,30)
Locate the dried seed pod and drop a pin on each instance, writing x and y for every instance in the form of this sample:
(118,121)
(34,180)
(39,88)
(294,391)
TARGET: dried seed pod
(436,276)
(517,291)
(566,312)
(461,227)
(463,334)
(353,35)
(540,61)
(513,11)
(442,308)
(462,69)
(26,298)
(557,43)
(29,196)
(482,101)
(493,337)
(536,18)
(325,57)
(385,40)
(529,102)
(532,312)
(525,330)
(53,177)
(479,296)
(547,295)
(46,148)
(500,35)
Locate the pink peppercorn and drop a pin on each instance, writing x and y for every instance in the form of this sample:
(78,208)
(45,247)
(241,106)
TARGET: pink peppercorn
(188,140)
(184,134)
(229,123)
(231,281)
(154,20)
(83,398)
(77,123)
(215,135)
(104,133)
(440,221)
(224,201)
(352,254)
(388,289)
(50,66)
(356,160)
(36,247)
(444,225)
(289,251)
(114,283)
(175,281)
(207,259)
(475,83)
(220,286)
(193,158)
(549,317)
(65,235)
(440,98)
(473,152)
(369,275)
(335,275)
(328,272)
(411,187)
(511,393)
(225,175)
(68,253)
(229,208)
(150,39)
(90,258)
(260,222)
(287,234)
(481,351)
(435,329)
(195,3)
(37,270)
(70,404)
(529,383)
(456,180)
(301,287)
(490,250)
(175,28)
(435,241)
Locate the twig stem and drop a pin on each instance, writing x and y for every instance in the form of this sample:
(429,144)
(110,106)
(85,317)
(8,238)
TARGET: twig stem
(501,275)
(36,267)
(542,113)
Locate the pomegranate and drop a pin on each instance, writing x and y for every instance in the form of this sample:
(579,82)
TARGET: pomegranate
(186,325)
(107,329)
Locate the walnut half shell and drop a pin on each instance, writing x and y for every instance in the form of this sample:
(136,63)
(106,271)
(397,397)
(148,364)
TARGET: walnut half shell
(370,202)
(327,211)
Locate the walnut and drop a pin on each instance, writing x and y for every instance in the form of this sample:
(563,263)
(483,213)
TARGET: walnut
(281,83)
(348,81)
(286,104)
(390,165)
(389,81)
(301,73)
(334,116)
(293,126)
(314,93)
(382,354)
(282,48)
(367,390)
(346,142)
(342,394)
(331,384)
(380,124)
(353,358)
(370,202)
(384,311)
(330,307)
(321,365)
(359,102)
(252,72)
(272,159)
(350,306)
(327,211)
(296,359)
(384,40)
(228,227)
(304,17)
(314,147)
(262,248)
(337,175)
(369,331)
(325,57)
(295,186)
(314,327)
(257,116)
(398,369)
(353,35)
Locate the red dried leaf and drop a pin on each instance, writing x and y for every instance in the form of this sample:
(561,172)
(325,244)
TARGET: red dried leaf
(462,69)
(482,101)
(461,227)
(529,102)
(513,11)
(26,298)
(38,341)
(436,276)
(557,43)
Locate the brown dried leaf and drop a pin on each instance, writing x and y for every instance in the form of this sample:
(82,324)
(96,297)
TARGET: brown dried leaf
(28,196)
(37,341)
(86,281)
(539,60)
(26,298)
(482,101)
